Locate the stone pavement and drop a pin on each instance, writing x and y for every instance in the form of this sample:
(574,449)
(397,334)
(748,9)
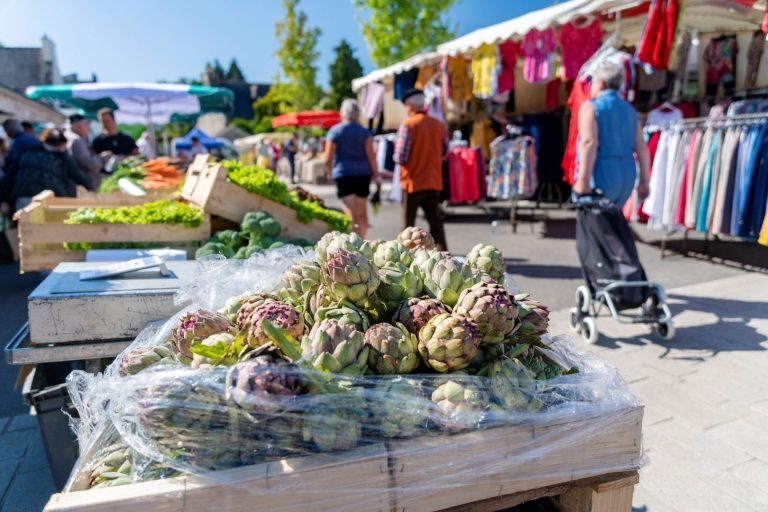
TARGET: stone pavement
(705,396)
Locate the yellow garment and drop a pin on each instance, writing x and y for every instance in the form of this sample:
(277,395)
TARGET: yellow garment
(482,136)
(425,74)
(483,63)
(763,240)
(461,83)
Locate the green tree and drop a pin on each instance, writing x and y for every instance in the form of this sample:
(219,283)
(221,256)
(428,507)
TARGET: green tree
(344,68)
(234,73)
(397,29)
(298,53)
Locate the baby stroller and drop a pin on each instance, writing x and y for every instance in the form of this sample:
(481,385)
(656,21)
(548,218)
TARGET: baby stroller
(613,273)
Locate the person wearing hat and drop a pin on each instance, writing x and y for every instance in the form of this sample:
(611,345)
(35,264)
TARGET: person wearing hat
(47,168)
(77,144)
(419,150)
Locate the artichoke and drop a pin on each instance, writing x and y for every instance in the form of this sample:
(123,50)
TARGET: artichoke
(374,244)
(491,308)
(425,261)
(415,238)
(448,343)
(513,385)
(281,314)
(397,283)
(332,242)
(350,276)
(392,252)
(300,279)
(486,356)
(248,304)
(139,358)
(260,381)
(197,326)
(201,361)
(398,407)
(534,316)
(114,465)
(541,368)
(416,312)
(344,312)
(488,259)
(448,279)
(335,347)
(333,422)
(460,405)
(392,349)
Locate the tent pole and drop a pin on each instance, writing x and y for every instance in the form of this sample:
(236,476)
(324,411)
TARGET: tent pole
(151,128)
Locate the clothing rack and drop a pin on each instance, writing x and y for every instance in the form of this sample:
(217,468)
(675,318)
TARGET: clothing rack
(694,121)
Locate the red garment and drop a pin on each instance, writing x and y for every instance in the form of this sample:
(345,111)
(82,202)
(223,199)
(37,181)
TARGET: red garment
(577,45)
(765,23)
(508,52)
(464,175)
(659,33)
(688,109)
(552,94)
(579,94)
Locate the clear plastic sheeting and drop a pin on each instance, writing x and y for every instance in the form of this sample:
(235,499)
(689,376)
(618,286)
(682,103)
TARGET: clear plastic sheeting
(285,422)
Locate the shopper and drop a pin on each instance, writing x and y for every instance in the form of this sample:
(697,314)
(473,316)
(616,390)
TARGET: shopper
(290,149)
(113,142)
(77,144)
(419,149)
(610,138)
(351,163)
(49,167)
(197,148)
(22,142)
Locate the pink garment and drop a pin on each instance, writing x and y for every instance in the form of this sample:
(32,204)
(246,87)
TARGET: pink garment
(464,167)
(682,198)
(537,48)
(578,44)
(373,100)
(508,52)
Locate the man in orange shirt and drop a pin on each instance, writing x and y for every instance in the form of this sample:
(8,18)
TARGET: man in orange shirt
(419,149)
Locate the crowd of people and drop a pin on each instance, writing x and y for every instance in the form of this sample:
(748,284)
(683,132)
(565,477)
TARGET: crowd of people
(56,159)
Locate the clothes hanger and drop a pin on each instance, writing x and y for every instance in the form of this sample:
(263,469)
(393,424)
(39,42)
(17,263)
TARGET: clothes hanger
(583,21)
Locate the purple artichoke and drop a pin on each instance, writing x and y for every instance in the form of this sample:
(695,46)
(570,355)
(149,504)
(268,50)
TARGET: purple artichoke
(415,313)
(283,315)
(197,326)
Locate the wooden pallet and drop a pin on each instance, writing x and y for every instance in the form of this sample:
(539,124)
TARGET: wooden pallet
(207,186)
(42,231)
(588,465)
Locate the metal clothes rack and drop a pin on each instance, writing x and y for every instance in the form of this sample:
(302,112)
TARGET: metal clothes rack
(735,120)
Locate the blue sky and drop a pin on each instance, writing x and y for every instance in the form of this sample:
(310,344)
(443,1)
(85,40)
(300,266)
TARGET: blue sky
(148,40)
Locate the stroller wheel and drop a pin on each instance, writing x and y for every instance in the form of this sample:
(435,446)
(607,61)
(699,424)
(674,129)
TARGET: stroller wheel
(589,330)
(574,319)
(583,298)
(666,330)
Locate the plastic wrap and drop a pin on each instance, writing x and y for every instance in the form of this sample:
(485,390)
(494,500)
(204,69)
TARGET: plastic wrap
(284,433)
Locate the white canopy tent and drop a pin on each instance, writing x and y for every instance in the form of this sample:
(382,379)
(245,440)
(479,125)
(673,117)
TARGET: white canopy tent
(417,61)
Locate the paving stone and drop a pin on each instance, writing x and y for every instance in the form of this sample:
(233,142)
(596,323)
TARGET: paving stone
(749,483)
(14,444)
(3,422)
(7,471)
(745,436)
(35,458)
(22,422)
(29,491)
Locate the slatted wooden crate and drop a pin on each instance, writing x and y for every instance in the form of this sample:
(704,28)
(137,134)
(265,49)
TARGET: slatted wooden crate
(586,465)
(207,186)
(42,231)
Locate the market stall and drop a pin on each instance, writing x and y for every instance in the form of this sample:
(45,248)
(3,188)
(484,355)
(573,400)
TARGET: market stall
(533,73)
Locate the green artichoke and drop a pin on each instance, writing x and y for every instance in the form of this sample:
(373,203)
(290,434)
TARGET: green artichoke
(491,308)
(425,261)
(247,305)
(335,347)
(332,242)
(447,280)
(513,385)
(416,312)
(397,283)
(344,312)
(300,279)
(534,316)
(448,343)
(139,358)
(201,361)
(486,356)
(350,276)
(334,422)
(392,349)
(114,465)
(460,405)
(392,252)
(488,259)
(398,407)
(415,238)
(197,326)
(260,381)
(281,314)
(374,244)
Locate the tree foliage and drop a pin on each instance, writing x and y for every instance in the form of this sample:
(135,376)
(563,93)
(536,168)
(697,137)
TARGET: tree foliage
(234,73)
(344,68)
(297,53)
(397,29)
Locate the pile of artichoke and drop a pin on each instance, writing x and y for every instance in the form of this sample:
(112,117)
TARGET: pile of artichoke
(368,341)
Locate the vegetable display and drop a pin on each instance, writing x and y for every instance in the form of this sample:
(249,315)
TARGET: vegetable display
(157,212)
(264,182)
(258,231)
(156,174)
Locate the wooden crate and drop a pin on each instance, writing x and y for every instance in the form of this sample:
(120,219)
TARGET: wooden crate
(319,482)
(118,198)
(42,231)
(207,186)
(588,464)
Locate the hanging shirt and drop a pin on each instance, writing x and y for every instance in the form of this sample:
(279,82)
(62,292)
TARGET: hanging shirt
(404,82)
(425,75)
(538,47)
(513,168)
(664,114)
(658,36)
(373,100)
(484,62)
(579,94)
(434,101)
(508,52)
(577,45)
